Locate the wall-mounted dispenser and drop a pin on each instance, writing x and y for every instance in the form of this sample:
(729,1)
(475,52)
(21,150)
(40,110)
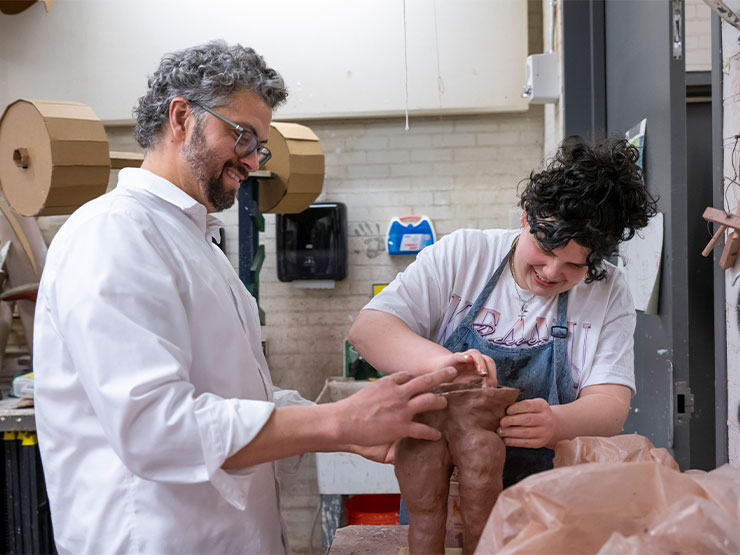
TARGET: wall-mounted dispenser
(543,83)
(312,245)
(409,234)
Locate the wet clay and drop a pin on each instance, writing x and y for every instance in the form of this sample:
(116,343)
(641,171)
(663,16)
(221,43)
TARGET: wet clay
(470,442)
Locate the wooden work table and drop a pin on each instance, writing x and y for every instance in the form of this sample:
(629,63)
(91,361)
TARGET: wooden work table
(369,540)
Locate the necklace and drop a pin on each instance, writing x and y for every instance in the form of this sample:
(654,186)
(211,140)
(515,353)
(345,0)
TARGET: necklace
(525,302)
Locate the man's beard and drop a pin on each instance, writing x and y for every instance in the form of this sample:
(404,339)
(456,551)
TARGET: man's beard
(200,158)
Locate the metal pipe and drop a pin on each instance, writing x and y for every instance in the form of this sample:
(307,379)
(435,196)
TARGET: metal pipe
(553,3)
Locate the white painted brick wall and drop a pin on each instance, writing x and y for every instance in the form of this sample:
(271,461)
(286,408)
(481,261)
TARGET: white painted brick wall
(456,170)
(698,36)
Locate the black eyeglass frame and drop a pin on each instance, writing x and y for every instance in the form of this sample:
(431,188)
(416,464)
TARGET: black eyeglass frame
(263,153)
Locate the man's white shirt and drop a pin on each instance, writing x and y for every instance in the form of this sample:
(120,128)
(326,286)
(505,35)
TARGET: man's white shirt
(149,374)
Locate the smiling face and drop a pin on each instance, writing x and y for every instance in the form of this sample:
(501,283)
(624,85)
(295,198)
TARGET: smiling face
(210,154)
(548,274)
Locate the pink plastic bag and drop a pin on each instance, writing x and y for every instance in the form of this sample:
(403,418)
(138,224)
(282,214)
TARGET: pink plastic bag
(643,506)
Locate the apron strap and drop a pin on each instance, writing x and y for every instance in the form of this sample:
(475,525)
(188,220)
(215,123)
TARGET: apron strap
(483,297)
(559,334)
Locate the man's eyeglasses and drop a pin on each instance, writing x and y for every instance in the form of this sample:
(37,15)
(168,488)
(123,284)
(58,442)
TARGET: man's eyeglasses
(246,143)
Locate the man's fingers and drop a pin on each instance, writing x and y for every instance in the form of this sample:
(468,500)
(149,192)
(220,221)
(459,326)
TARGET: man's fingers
(425,382)
(400,377)
(422,431)
(390,457)
(427,401)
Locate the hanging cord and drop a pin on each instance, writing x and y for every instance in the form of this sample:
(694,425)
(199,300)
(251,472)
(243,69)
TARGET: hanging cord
(731,180)
(440,81)
(728,181)
(406,63)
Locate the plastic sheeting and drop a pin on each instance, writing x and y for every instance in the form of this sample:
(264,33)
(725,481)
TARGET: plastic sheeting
(631,499)
(624,448)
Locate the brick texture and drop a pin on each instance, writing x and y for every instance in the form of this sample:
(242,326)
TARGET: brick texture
(698,36)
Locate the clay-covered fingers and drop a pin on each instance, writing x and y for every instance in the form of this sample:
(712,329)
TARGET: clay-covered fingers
(425,382)
(489,378)
(474,362)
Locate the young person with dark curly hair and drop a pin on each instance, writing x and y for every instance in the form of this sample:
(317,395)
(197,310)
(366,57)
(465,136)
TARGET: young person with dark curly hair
(539,308)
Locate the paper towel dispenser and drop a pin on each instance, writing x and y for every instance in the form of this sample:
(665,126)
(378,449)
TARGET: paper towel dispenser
(313,244)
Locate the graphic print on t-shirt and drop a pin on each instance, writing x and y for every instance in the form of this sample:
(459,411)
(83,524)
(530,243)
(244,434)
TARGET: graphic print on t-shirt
(512,330)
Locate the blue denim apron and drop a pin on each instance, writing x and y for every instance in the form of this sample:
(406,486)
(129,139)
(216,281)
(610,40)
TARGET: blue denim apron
(540,371)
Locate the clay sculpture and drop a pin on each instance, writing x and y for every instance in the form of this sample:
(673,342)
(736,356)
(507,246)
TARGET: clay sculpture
(470,442)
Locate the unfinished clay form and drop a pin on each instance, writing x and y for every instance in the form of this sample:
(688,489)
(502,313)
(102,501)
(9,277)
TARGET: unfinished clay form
(470,442)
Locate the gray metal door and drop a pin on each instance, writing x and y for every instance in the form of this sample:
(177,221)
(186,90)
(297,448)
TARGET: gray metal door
(645,78)
(632,56)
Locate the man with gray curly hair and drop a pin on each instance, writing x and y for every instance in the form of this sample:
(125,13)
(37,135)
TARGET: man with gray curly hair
(159,426)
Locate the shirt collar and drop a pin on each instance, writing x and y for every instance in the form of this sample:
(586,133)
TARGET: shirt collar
(137,178)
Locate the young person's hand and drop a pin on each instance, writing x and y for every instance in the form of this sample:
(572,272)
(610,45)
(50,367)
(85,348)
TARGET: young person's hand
(528,423)
(470,365)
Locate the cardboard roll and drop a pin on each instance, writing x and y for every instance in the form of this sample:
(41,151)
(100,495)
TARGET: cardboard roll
(12,7)
(298,161)
(53,156)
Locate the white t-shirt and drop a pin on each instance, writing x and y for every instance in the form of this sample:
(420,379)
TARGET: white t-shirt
(436,291)
(149,375)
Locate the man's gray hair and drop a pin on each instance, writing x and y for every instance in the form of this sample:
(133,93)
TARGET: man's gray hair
(207,74)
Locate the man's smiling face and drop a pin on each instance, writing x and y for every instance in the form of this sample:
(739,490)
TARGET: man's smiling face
(210,150)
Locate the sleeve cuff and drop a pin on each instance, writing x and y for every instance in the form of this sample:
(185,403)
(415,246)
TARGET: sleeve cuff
(287,469)
(612,374)
(224,428)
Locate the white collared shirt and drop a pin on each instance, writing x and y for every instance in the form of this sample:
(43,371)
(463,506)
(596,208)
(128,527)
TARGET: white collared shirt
(149,374)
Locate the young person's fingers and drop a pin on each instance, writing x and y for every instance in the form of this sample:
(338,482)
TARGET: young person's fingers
(528,405)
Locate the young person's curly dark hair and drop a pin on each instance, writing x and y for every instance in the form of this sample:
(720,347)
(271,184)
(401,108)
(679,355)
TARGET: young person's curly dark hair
(594,196)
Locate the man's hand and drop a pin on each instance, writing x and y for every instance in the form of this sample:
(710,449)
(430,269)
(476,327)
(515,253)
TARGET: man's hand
(385,454)
(368,422)
(383,412)
(528,423)
(470,365)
